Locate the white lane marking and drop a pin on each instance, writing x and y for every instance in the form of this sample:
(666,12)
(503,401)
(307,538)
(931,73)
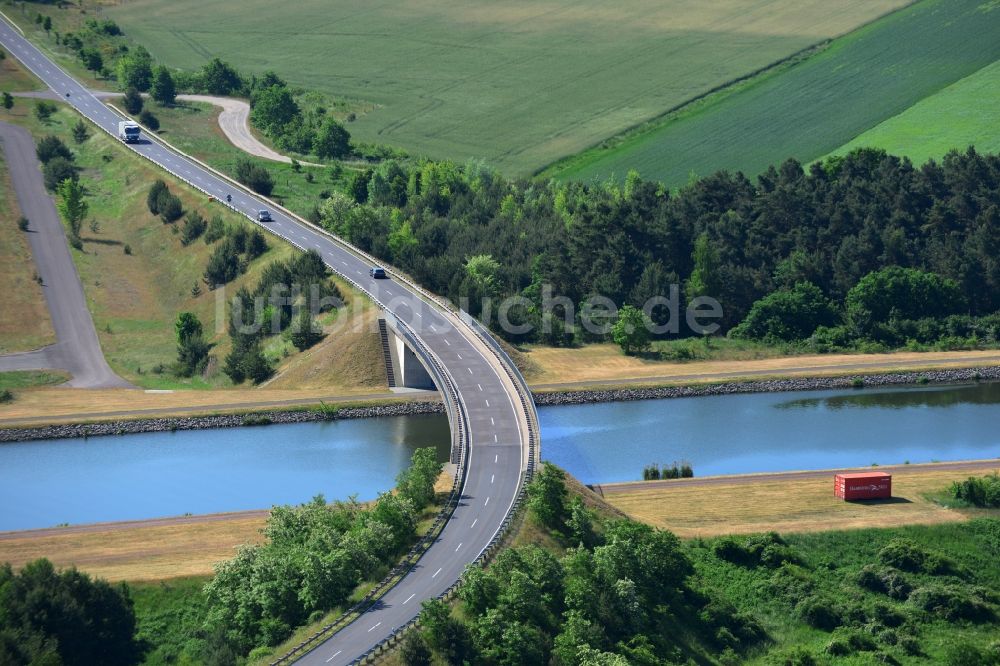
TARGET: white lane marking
(496,458)
(480,386)
(388,292)
(470,370)
(492,422)
(459,546)
(487,501)
(459,356)
(495,438)
(474,523)
(377,625)
(492,476)
(416,314)
(433,329)
(409,597)
(437,572)
(343,262)
(447,343)
(487,403)
(334,656)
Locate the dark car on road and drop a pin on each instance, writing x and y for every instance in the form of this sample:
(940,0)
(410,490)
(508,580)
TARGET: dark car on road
(263,216)
(378,273)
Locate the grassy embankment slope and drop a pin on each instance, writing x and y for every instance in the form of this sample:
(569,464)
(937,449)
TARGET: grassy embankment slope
(517,84)
(814,107)
(135,297)
(966,113)
(824,569)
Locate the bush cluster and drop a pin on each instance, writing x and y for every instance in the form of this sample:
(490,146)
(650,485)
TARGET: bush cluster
(983,491)
(768,550)
(314,556)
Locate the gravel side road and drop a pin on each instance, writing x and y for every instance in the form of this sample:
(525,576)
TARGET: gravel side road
(78,350)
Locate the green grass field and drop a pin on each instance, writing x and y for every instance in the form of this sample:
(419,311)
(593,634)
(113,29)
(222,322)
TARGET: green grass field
(193,127)
(812,108)
(517,83)
(966,113)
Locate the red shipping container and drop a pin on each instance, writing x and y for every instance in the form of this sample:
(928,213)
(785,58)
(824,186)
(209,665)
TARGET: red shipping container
(864,485)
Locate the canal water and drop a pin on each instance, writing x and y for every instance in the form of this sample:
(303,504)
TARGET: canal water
(52,482)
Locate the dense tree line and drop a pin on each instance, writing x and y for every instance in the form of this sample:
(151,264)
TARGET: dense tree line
(315,555)
(621,595)
(64,617)
(809,236)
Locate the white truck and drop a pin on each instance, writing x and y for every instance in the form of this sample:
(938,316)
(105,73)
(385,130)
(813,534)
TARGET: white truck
(128,131)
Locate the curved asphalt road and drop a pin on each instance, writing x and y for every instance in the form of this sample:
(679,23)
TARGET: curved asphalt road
(495,426)
(78,350)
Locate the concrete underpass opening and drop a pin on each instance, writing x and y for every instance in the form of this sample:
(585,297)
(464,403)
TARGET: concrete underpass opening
(404,369)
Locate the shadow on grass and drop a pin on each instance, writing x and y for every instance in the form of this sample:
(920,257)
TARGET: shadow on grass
(878,502)
(100,241)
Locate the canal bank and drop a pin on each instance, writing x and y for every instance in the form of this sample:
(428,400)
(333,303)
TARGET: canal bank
(610,394)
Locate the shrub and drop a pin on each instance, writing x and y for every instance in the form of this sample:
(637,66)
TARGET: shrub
(888,616)
(908,556)
(155,199)
(58,169)
(885,580)
(132,101)
(952,602)
(171,209)
(981,491)
(44,110)
(127,249)
(52,146)
(6,396)
(787,315)
(22,223)
(818,613)
(768,550)
(254,176)
(216,230)
(194,226)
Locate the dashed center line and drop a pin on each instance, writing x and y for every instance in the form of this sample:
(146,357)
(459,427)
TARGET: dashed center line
(459,546)
(447,343)
(409,597)
(492,476)
(333,656)
(470,370)
(474,523)
(487,403)
(487,501)
(437,572)
(480,386)
(496,458)
(377,625)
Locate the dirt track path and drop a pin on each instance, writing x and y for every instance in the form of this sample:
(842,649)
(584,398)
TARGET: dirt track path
(234,120)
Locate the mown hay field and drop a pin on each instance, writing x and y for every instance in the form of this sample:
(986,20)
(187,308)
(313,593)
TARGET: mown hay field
(517,83)
(814,107)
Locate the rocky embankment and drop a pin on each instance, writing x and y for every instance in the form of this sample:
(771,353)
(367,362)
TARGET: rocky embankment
(768,385)
(541,399)
(171,424)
